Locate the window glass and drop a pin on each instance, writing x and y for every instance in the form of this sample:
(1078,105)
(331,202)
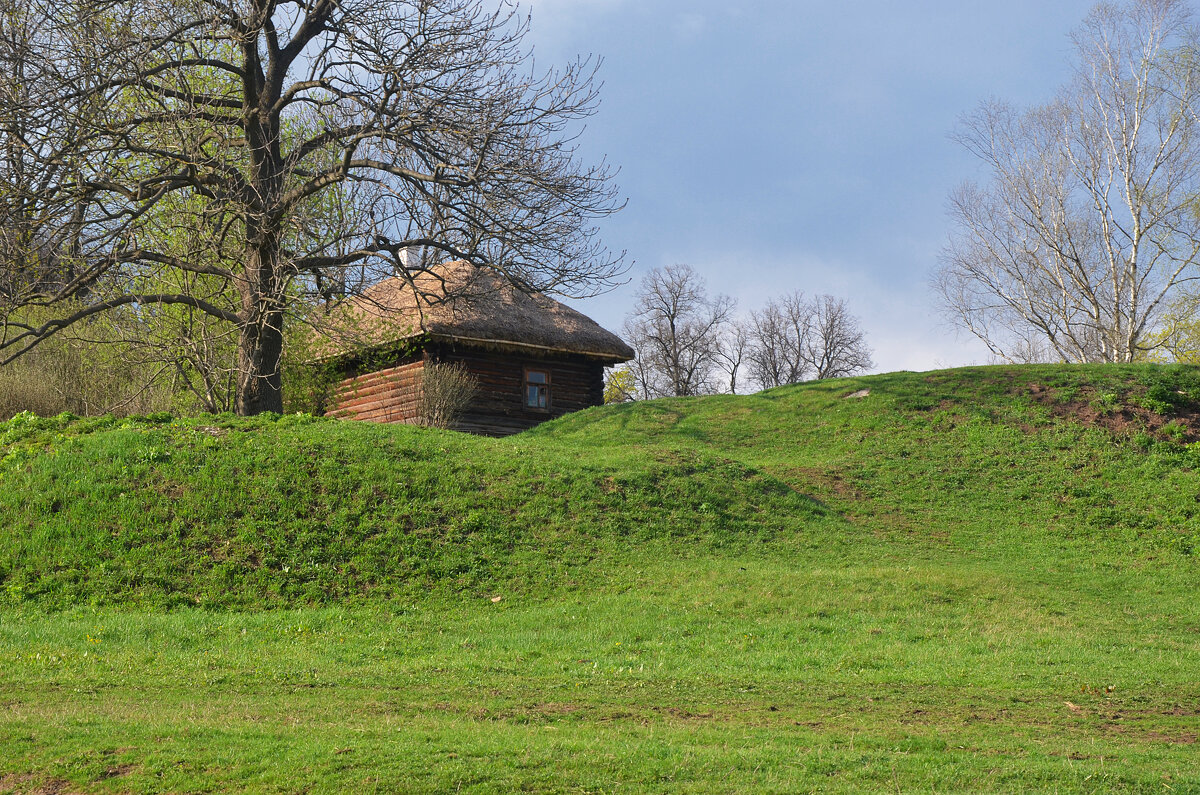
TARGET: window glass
(537,389)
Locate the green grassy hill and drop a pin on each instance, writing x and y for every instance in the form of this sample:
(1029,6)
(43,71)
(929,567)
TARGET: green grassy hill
(1090,465)
(973,579)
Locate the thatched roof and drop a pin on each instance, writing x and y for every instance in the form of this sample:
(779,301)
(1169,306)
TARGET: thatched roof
(457,302)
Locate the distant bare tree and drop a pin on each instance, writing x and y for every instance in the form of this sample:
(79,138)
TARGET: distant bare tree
(732,351)
(836,345)
(779,337)
(1088,224)
(1030,348)
(675,329)
(794,338)
(320,143)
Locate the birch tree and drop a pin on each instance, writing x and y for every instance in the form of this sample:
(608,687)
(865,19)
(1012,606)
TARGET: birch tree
(1089,221)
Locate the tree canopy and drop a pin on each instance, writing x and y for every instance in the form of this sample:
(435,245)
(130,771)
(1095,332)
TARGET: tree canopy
(1088,224)
(246,160)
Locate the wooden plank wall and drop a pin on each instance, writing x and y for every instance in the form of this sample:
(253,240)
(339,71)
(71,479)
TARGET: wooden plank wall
(499,408)
(389,395)
(393,394)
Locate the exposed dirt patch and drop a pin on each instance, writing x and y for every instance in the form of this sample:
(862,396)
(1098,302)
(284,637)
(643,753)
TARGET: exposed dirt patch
(842,496)
(1183,711)
(1137,730)
(828,483)
(1086,407)
(1147,724)
(170,490)
(24,784)
(538,712)
(1176,711)
(682,714)
(116,771)
(1187,738)
(553,708)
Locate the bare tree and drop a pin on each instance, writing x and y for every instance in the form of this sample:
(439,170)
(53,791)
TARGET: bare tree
(1027,348)
(33,217)
(1088,223)
(675,329)
(779,338)
(794,338)
(836,346)
(316,144)
(733,350)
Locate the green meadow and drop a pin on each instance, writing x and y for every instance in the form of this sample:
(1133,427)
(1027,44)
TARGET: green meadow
(973,580)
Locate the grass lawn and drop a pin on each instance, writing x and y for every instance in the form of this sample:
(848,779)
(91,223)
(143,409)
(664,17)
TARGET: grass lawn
(975,580)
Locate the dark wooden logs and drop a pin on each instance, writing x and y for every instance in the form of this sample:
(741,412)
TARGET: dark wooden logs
(393,394)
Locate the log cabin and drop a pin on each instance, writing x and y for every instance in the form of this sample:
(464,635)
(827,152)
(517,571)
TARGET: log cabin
(533,358)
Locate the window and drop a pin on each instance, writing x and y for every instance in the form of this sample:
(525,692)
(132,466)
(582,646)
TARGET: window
(537,389)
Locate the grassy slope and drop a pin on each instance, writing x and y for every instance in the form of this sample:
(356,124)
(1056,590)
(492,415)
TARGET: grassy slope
(943,585)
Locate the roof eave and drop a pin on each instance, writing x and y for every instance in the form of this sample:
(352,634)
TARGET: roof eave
(608,357)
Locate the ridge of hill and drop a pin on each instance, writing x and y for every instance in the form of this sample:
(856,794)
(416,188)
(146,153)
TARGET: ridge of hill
(1086,466)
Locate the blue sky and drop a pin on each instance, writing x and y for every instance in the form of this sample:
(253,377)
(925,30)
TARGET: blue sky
(777,145)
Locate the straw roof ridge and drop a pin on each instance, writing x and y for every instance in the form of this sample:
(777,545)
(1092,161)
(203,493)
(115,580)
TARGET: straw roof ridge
(459,301)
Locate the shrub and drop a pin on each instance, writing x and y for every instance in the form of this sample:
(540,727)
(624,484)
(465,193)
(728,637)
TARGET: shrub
(447,390)
(84,376)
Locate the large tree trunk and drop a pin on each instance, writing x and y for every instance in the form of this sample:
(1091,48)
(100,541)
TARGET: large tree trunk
(260,351)
(260,339)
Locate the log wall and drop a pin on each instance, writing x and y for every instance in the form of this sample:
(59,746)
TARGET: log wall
(393,394)
(499,408)
(389,395)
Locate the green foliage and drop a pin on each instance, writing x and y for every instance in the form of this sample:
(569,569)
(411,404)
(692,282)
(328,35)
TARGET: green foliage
(1107,402)
(89,369)
(619,387)
(1178,337)
(307,386)
(1169,388)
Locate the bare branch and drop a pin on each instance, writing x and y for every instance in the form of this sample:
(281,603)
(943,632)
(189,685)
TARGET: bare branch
(30,337)
(260,153)
(1088,225)
(675,330)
